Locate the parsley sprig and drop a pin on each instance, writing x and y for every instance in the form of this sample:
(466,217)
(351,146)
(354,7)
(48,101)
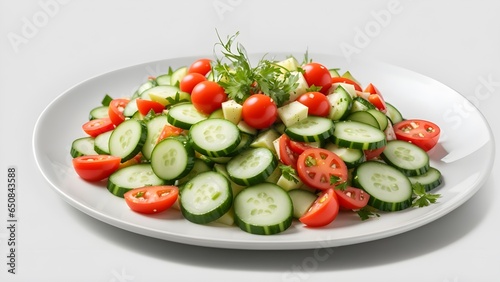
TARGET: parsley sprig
(240,80)
(421,197)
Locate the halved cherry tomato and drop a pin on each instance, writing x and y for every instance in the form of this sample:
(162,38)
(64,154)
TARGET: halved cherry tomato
(201,66)
(422,133)
(189,81)
(97,126)
(321,169)
(169,130)
(207,96)
(323,211)
(316,102)
(378,102)
(259,111)
(339,79)
(115,110)
(287,156)
(145,106)
(151,199)
(318,75)
(352,198)
(96,167)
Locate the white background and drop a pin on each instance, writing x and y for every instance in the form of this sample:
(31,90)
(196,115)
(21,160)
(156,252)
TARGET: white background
(47,46)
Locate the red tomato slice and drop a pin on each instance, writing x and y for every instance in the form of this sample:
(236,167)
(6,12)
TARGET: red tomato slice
(321,169)
(151,199)
(352,198)
(372,89)
(298,147)
(372,154)
(287,156)
(378,102)
(422,133)
(169,130)
(339,79)
(145,106)
(115,110)
(96,167)
(97,126)
(323,211)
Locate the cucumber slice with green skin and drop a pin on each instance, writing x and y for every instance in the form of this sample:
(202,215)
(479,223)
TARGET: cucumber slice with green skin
(430,180)
(127,139)
(130,108)
(311,129)
(146,85)
(351,157)
(341,103)
(206,197)
(358,135)
(252,166)
(215,137)
(177,75)
(154,127)
(165,94)
(361,104)
(184,115)
(406,157)
(364,117)
(163,79)
(246,140)
(99,112)
(83,146)
(131,177)
(216,114)
(172,158)
(263,209)
(393,113)
(302,200)
(389,188)
(101,143)
(381,118)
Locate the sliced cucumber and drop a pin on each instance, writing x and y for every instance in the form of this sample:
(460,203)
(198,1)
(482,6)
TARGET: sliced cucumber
(351,157)
(389,188)
(381,118)
(101,143)
(199,166)
(311,129)
(206,197)
(177,75)
(145,86)
(99,112)
(407,157)
(430,180)
(246,140)
(172,158)
(302,200)
(163,79)
(263,209)
(252,166)
(358,135)
(215,137)
(83,146)
(166,95)
(130,108)
(341,103)
(393,113)
(130,177)
(154,128)
(361,104)
(184,115)
(216,114)
(127,139)
(364,117)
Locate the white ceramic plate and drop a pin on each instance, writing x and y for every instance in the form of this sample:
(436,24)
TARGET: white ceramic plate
(464,155)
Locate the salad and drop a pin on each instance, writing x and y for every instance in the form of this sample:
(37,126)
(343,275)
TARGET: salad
(258,146)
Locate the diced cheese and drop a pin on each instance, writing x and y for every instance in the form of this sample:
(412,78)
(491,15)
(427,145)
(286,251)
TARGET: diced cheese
(232,111)
(301,87)
(288,185)
(265,139)
(291,64)
(292,113)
